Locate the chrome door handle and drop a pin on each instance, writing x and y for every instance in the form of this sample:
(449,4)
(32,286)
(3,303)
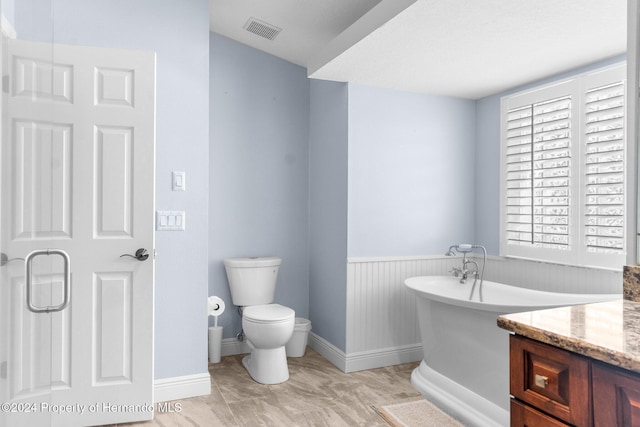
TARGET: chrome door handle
(141,255)
(29,280)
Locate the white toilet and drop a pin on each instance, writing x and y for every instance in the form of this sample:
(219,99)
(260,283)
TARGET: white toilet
(267,327)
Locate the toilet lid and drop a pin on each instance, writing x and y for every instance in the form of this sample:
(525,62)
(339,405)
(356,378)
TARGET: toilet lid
(268,313)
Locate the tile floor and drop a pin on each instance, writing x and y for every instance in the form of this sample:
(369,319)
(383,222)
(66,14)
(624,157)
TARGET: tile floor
(317,394)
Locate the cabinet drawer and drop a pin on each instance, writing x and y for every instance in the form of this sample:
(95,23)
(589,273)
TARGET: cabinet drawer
(553,380)
(526,416)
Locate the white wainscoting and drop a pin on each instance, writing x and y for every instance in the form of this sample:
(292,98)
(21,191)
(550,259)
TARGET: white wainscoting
(382,325)
(545,276)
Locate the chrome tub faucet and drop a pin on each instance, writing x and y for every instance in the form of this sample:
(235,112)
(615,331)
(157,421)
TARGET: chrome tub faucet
(464,272)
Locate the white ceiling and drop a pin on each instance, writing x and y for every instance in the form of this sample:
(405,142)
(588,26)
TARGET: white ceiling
(462,48)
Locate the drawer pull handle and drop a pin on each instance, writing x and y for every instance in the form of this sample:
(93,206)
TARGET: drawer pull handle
(541,381)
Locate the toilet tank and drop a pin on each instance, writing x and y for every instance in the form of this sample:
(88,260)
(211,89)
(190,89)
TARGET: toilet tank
(252,281)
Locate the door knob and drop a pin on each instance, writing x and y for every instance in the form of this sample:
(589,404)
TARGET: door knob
(141,255)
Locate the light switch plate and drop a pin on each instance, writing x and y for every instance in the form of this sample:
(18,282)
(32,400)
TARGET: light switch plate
(178,182)
(170,220)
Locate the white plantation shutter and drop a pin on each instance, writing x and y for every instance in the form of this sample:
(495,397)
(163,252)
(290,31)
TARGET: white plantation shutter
(563,171)
(519,167)
(604,173)
(551,172)
(538,168)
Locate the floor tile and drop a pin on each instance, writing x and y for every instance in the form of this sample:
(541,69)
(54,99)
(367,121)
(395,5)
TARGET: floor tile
(317,395)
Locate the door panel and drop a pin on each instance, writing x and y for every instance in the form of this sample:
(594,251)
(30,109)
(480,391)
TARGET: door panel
(41,344)
(113,328)
(80,176)
(41,193)
(114,182)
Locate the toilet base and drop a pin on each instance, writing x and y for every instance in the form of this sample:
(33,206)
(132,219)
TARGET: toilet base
(267,366)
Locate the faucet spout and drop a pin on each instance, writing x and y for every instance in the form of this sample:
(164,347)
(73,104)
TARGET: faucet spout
(475,271)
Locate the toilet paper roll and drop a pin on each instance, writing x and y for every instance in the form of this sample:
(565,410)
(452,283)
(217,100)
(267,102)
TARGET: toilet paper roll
(216,306)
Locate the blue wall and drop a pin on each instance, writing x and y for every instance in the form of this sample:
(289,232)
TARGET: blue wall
(259,127)
(411,172)
(8,10)
(328,141)
(179,33)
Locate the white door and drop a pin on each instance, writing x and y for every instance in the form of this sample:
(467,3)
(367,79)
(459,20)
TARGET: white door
(78,169)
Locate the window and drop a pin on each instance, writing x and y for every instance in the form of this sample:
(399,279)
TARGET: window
(563,189)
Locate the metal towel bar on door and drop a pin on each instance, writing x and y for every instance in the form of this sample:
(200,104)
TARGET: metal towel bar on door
(66,277)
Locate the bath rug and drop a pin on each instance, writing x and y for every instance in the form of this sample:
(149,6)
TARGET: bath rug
(415,413)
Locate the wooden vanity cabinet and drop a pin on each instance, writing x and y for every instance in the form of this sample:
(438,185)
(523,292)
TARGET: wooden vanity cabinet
(555,387)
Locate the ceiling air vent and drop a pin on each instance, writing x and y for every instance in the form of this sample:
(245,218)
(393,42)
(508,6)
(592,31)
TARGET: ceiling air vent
(262,29)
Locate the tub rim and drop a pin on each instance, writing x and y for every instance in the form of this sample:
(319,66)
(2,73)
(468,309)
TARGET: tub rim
(567,298)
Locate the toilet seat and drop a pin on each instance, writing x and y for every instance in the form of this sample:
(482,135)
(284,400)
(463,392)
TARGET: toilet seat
(268,313)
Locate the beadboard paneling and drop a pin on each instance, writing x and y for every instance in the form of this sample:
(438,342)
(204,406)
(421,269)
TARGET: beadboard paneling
(544,276)
(381,311)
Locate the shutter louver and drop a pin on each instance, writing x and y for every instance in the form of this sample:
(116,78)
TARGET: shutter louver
(604,173)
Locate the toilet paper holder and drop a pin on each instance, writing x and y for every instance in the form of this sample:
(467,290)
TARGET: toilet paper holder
(216,307)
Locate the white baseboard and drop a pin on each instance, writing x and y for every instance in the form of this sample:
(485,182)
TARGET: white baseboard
(231,346)
(329,351)
(383,357)
(174,388)
(364,360)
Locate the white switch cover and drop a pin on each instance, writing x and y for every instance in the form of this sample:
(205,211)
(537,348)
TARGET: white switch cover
(178,182)
(170,220)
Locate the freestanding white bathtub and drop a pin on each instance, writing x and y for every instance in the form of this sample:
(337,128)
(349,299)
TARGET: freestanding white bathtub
(465,366)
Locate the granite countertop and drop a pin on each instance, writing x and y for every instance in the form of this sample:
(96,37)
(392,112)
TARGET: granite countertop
(606,331)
